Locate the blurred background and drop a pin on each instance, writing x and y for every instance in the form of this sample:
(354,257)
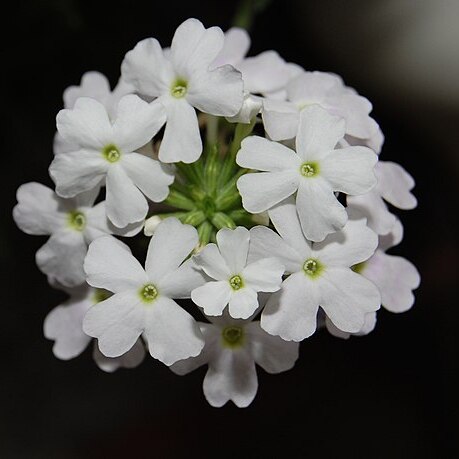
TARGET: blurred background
(391,394)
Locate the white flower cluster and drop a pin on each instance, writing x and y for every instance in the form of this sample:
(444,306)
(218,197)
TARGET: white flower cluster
(271,236)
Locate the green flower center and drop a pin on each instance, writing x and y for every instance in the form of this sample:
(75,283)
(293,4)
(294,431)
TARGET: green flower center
(309,169)
(233,336)
(111,153)
(179,88)
(312,267)
(148,293)
(101,295)
(236,282)
(77,220)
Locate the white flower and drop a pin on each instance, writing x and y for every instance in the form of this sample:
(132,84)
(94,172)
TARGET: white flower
(321,275)
(182,81)
(151,224)
(64,325)
(232,348)
(395,276)
(265,73)
(394,185)
(106,152)
(280,118)
(72,224)
(143,299)
(313,172)
(96,86)
(234,281)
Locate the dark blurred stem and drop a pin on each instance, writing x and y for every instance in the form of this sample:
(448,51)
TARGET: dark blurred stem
(246,12)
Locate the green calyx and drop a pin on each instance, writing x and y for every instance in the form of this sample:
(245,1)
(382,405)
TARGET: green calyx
(233,337)
(204,193)
(313,268)
(111,153)
(179,88)
(148,293)
(76,220)
(359,267)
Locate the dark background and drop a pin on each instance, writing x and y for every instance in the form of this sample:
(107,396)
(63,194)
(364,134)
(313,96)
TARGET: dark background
(391,394)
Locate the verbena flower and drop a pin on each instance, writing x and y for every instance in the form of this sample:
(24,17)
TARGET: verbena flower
(234,282)
(64,325)
(232,349)
(313,172)
(143,299)
(320,276)
(182,80)
(72,225)
(106,155)
(96,86)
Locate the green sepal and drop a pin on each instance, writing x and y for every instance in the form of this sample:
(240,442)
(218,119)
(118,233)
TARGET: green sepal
(179,200)
(221,220)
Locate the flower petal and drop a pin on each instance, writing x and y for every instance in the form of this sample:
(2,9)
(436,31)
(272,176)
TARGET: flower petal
(261,191)
(211,334)
(264,275)
(291,313)
(346,297)
(64,325)
(395,277)
(353,244)
(110,265)
(181,282)
(182,139)
(372,206)
(234,247)
(272,353)
(284,217)
(235,46)
(194,47)
(212,263)
(172,334)
(318,133)
(312,87)
(212,297)
(38,209)
(62,256)
(394,184)
(319,211)
(131,359)
(149,175)
(93,84)
(77,171)
(125,203)
(86,125)
(280,119)
(231,376)
(264,242)
(350,170)
(136,122)
(116,322)
(148,69)
(170,244)
(243,303)
(267,72)
(264,155)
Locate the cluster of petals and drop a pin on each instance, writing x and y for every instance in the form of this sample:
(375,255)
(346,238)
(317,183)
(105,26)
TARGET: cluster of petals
(312,262)
(233,281)
(313,172)
(64,325)
(320,275)
(72,225)
(232,348)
